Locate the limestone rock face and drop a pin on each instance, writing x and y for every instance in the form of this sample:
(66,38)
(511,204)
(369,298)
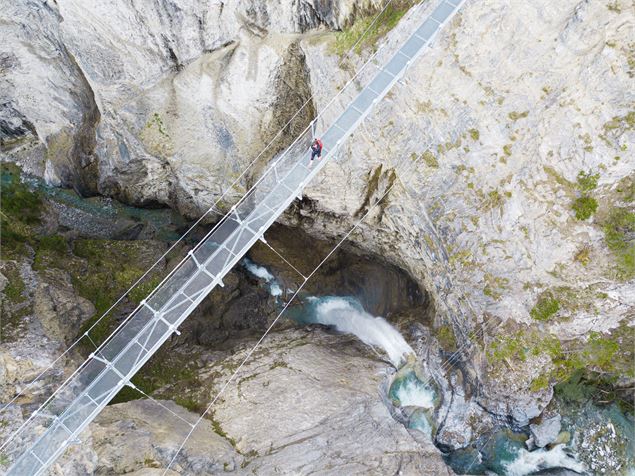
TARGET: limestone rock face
(163,103)
(306,402)
(484,142)
(311,402)
(138,437)
(480,149)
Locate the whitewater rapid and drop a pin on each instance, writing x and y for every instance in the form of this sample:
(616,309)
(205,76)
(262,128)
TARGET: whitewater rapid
(263,273)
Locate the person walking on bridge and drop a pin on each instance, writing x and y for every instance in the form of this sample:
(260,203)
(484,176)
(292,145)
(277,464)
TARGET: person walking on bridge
(316,150)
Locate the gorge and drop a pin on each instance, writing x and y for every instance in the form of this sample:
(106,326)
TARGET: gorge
(500,269)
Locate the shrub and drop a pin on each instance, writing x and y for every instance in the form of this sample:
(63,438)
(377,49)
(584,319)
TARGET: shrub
(514,116)
(618,227)
(446,338)
(430,160)
(587,181)
(584,207)
(546,307)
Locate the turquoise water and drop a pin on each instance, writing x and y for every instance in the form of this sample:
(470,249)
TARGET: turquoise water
(166,223)
(408,390)
(504,453)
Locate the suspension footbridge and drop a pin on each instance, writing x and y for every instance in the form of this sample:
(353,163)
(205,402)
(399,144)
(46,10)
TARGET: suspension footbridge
(57,424)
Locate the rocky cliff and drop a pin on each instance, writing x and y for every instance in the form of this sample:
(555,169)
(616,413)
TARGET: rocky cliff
(508,147)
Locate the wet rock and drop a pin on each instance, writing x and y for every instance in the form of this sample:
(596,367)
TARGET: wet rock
(546,431)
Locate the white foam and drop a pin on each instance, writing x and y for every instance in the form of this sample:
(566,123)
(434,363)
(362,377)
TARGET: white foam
(414,394)
(258,271)
(531,461)
(345,317)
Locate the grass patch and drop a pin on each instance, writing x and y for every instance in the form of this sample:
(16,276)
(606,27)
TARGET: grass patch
(578,367)
(20,209)
(625,190)
(583,255)
(514,115)
(584,207)
(14,289)
(51,252)
(494,285)
(475,134)
(163,369)
(430,160)
(218,429)
(349,36)
(587,181)
(619,228)
(19,202)
(446,338)
(546,307)
(539,383)
(111,267)
(507,150)
(494,199)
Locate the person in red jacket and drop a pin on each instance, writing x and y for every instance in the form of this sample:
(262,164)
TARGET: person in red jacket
(316,150)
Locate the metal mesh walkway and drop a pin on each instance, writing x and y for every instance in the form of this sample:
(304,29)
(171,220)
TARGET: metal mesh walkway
(49,431)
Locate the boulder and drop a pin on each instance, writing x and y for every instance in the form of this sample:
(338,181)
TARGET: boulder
(546,431)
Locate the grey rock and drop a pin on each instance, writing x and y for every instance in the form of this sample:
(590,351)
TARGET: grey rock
(546,431)
(151,437)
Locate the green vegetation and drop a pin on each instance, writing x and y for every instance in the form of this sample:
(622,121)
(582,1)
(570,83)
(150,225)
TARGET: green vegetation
(51,252)
(189,403)
(507,150)
(584,207)
(587,182)
(143,289)
(626,189)
(156,120)
(583,255)
(475,134)
(349,36)
(430,160)
(218,429)
(618,230)
(494,285)
(539,383)
(103,279)
(514,116)
(559,179)
(14,289)
(616,127)
(546,307)
(163,369)
(20,209)
(493,200)
(614,7)
(578,367)
(446,338)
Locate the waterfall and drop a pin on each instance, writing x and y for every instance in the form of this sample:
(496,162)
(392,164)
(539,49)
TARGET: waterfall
(347,315)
